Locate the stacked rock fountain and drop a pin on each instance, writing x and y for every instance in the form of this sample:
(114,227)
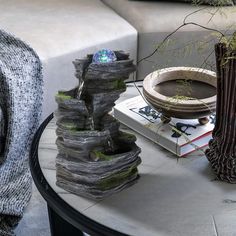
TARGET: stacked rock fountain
(95,158)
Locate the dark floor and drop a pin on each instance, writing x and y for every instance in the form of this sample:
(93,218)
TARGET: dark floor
(35,220)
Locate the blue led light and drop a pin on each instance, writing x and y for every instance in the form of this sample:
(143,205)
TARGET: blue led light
(104,56)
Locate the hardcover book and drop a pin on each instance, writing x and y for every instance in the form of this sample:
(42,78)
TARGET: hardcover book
(180,136)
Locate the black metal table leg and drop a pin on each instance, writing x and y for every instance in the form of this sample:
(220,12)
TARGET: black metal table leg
(60,227)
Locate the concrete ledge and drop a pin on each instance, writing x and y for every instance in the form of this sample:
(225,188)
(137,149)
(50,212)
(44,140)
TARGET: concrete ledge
(62,30)
(154,20)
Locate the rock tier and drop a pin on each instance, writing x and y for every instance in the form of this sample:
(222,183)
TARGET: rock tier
(95,158)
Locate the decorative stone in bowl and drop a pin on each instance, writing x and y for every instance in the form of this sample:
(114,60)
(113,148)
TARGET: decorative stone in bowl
(95,158)
(182,92)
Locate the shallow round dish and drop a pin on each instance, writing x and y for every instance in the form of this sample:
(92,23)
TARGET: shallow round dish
(181,92)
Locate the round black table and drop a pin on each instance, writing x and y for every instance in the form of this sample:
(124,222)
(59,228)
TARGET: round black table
(172,197)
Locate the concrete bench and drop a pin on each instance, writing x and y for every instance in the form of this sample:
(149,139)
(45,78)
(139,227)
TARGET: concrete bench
(62,30)
(154,20)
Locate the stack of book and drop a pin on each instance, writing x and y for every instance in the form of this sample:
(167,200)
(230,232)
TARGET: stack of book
(180,136)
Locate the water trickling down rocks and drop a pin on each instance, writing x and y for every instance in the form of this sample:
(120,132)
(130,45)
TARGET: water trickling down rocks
(95,159)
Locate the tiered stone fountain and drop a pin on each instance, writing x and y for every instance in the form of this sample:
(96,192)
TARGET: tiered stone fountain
(95,158)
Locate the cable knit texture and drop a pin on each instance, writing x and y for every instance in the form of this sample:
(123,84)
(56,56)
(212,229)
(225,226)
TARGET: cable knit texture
(21,102)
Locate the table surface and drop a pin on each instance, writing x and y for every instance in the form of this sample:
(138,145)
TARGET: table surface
(172,197)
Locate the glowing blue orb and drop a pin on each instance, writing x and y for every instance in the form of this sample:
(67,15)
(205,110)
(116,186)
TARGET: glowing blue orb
(104,56)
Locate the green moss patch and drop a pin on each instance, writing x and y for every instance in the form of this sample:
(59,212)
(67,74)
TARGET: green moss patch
(101,156)
(117,179)
(63,96)
(119,84)
(126,137)
(73,127)
(70,126)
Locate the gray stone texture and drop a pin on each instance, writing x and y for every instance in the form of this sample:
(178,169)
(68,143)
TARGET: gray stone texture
(95,159)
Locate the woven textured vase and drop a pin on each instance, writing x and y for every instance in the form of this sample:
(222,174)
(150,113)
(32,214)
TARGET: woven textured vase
(222,148)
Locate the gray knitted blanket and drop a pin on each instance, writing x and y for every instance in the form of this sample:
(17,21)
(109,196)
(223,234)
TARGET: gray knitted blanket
(20,101)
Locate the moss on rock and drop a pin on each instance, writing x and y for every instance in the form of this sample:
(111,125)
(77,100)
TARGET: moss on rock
(119,84)
(63,96)
(100,156)
(125,137)
(117,179)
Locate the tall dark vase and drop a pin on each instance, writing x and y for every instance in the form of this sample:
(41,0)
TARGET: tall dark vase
(222,148)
